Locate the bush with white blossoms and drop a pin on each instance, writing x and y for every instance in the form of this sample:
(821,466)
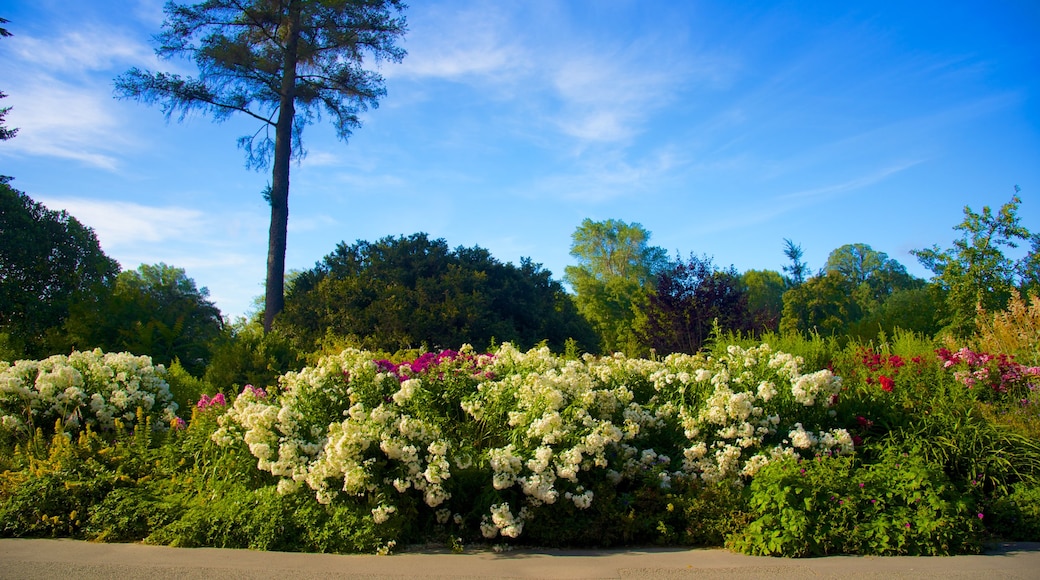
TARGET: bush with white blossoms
(87,388)
(540,432)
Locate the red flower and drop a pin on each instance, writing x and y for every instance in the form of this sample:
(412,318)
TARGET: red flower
(886,383)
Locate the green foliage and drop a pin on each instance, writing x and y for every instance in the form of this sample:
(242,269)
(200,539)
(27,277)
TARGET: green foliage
(975,272)
(248,356)
(936,469)
(155,310)
(851,296)
(797,270)
(63,480)
(186,389)
(1016,516)
(901,505)
(765,298)
(974,452)
(408,292)
(616,270)
(48,262)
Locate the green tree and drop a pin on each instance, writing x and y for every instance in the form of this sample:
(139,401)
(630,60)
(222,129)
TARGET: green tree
(975,272)
(155,310)
(797,270)
(850,295)
(407,292)
(825,304)
(281,63)
(48,261)
(246,355)
(616,271)
(765,298)
(872,274)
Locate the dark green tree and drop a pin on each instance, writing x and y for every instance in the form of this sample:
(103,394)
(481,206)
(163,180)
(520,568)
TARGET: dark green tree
(765,298)
(283,64)
(689,299)
(48,261)
(975,272)
(407,292)
(155,310)
(616,271)
(797,270)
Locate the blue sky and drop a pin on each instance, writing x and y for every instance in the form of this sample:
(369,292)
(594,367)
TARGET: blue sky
(721,127)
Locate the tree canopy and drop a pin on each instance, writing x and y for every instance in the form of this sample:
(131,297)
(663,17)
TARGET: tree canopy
(849,295)
(688,300)
(155,310)
(282,64)
(617,268)
(48,261)
(975,272)
(406,292)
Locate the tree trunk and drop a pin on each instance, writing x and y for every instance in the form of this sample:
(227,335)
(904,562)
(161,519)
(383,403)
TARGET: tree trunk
(274,299)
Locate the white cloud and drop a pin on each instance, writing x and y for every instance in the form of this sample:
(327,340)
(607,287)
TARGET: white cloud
(461,43)
(223,252)
(610,176)
(860,182)
(124,225)
(80,51)
(62,120)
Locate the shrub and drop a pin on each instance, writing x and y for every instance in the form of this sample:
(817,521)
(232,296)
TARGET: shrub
(832,505)
(1016,516)
(588,437)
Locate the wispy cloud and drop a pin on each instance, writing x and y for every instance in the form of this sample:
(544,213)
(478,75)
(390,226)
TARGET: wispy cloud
(223,252)
(122,224)
(827,191)
(460,44)
(58,119)
(62,104)
(80,51)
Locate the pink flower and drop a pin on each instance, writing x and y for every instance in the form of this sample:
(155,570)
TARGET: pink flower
(256,391)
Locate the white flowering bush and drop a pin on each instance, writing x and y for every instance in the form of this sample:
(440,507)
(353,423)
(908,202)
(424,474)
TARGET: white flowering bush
(535,434)
(87,388)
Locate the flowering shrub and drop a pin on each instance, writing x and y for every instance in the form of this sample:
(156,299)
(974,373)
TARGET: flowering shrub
(998,376)
(540,430)
(83,389)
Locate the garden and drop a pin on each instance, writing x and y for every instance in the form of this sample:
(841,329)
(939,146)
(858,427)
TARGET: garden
(783,445)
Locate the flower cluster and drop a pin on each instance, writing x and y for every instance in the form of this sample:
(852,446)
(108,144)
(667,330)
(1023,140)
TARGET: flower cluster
(206,401)
(885,367)
(87,388)
(999,374)
(543,429)
(325,432)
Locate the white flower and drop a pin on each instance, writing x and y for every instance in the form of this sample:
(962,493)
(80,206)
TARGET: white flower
(382,513)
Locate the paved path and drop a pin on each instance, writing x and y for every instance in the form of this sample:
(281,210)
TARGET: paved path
(75,559)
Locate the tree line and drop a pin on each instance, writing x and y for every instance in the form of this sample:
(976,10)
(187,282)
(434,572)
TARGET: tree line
(59,291)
